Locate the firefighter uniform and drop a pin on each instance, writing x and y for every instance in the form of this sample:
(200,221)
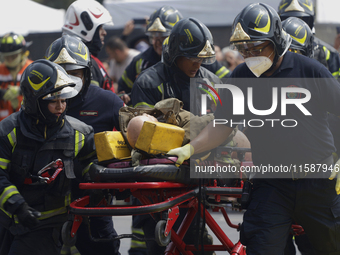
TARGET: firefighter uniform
(98,108)
(312,203)
(6,108)
(23,153)
(328,56)
(149,58)
(103,116)
(34,198)
(161,81)
(14,54)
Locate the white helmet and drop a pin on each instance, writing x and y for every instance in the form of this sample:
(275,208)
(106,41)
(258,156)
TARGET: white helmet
(83,17)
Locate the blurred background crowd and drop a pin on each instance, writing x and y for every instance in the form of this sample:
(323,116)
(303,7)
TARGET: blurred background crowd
(42,24)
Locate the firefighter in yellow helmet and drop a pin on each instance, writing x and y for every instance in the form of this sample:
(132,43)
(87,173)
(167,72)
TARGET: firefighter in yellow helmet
(282,196)
(158,28)
(14,58)
(39,145)
(323,52)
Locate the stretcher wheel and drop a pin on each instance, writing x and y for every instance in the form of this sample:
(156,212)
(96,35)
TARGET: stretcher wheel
(161,239)
(68,240)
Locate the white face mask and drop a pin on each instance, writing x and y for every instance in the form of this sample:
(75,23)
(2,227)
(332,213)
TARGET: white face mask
(258,65)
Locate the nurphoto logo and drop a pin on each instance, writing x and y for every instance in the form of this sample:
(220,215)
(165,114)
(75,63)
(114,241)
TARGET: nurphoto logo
(280,97)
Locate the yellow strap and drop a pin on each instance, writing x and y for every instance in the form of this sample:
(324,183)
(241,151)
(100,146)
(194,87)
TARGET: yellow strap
(79,142)
(94,82)
(161,88)
(335,74)
(127,81)
(7,193)
(139,66)
(138,231)
(12,137)
(86,169)
(328,53)
(137,244)
(144,104)
(4,163)
(51,213)
(223,71)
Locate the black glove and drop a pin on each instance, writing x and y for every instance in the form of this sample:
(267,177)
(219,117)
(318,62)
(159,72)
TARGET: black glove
(27,216)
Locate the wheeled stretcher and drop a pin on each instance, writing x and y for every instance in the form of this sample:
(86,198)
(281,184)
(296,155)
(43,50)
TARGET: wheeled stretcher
(162,188)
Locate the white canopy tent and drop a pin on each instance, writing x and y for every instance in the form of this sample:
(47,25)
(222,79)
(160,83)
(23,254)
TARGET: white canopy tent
(210,12)
(220,13)
(26,16)
(327,12)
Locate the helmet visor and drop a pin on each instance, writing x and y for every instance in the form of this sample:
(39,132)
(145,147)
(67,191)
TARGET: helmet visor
(249,48)
(79,85)
(156,34)
(10,53)
(69,91)
(205,61)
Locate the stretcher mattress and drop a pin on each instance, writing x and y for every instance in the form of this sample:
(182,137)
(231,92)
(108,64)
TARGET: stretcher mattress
(154,171)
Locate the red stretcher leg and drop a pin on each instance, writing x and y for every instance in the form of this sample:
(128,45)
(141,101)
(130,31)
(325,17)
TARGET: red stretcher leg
(177,245)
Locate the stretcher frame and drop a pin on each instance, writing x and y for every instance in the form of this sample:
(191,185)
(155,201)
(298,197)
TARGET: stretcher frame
(175,195)
(165,198)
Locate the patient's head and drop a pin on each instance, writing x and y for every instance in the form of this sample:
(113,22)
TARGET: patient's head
(135,126)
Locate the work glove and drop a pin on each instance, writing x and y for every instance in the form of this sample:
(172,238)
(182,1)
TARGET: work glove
(12,94)
(136,157)
(182,153)
(27,216)
(336,173)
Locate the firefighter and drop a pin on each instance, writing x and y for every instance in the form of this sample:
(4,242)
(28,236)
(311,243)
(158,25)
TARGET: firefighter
(98,108)
(279,198)
(14,55)
(158,28)
(34,197)
(302,36)
(302,43)
(323,52)
(183,56)
(85,20)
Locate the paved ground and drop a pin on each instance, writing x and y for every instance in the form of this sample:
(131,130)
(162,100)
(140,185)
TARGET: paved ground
(123,224)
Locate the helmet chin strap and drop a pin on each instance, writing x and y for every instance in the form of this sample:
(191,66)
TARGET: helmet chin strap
(40,111)
(276,58)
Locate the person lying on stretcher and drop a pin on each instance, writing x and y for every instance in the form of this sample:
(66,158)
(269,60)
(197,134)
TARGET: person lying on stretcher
(239,140)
